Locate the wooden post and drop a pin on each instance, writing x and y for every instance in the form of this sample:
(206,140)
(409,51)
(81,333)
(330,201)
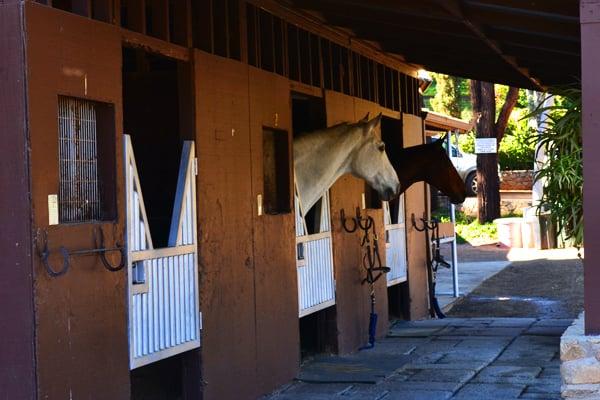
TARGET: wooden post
(17,357)
(590,84)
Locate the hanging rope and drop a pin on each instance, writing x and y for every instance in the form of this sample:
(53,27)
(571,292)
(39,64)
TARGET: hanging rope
(371,262)
(434,260)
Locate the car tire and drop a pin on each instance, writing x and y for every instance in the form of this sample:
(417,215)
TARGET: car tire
(471,184)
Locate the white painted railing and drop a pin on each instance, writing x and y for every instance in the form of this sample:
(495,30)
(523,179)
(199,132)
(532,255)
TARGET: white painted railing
(395,252)
(164,316)
(314,261)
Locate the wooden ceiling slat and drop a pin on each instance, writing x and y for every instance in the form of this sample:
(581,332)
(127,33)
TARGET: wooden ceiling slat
(554,10)
(494,40)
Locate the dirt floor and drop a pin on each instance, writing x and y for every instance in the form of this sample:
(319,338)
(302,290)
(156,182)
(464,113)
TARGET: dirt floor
(540,284)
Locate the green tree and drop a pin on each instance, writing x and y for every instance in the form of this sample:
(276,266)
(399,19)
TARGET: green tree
(447,95)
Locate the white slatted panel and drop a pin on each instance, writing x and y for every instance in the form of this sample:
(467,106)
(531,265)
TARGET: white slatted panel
(164,317)
(316,287)
(316,281)
(395,253)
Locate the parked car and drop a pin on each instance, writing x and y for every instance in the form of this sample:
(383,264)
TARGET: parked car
(466,165)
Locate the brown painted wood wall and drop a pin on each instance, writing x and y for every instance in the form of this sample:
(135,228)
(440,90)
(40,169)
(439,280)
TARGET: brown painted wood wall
(17,358)
(275,276)
(352,298)
(81,317)
(248,277)
(415,204)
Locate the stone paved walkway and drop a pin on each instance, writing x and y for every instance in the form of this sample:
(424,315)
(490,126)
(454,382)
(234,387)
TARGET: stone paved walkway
(454,358)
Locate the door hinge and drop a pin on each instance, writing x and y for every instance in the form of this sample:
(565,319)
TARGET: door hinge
(196,166)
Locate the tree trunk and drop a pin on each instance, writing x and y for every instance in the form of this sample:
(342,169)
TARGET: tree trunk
(488,184)
(484,109)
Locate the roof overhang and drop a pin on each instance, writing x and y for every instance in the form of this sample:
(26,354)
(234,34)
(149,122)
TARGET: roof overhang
(524,43)
(436,123)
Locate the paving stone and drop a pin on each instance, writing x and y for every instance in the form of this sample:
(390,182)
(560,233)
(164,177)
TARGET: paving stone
(442,375)
(507,374)
(436,346)
(426,323)
(542,396)
(460,355)
(513,322)
(487,342)
(489,391)
(409,386)
(357,368)
(308,389)
(419,395)
(471,365)
(414,332)
(551,386)
(489,331)
(431,358)
(391,346)
(554,322)
(284,396)
(546,330)
(551,372)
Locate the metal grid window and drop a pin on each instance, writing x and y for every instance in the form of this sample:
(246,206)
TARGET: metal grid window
(79,193)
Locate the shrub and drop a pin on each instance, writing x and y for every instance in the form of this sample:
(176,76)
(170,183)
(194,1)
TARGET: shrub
(562,173)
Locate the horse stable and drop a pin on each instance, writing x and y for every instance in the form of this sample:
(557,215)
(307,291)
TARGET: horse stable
(152,242)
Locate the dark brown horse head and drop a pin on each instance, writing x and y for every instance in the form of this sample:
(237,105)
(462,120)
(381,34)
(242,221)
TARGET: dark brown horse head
(429,163)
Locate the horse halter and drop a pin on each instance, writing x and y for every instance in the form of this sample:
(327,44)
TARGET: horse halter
(371,262)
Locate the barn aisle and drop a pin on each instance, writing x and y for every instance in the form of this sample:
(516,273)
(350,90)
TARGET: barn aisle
(501,340)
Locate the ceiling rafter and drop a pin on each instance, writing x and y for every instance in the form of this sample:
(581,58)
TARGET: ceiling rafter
(454,8)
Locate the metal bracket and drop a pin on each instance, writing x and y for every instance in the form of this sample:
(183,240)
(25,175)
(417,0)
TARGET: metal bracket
(44,254)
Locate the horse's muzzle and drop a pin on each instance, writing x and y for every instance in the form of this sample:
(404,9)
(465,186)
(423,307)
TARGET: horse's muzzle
(390,193)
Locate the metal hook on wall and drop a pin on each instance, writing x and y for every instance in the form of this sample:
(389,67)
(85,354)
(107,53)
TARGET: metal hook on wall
(99,249)
(344,221)
(102,253)
(44,254)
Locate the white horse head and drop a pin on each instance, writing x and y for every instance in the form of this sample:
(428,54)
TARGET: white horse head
(321,157)
(370,161)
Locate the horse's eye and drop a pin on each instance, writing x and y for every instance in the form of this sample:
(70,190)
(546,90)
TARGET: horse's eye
(381,147)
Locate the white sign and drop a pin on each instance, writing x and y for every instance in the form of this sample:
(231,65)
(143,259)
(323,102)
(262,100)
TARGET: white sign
(486,146)
(52,209)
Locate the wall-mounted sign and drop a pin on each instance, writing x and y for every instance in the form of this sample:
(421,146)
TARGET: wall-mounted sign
(486,146)
(52,209)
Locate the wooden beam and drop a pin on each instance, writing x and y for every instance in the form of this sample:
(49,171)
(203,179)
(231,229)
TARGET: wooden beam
(135,15)
(182,22)
(590,83)
(82,7)
(154,45)
(159,19)
(312,23)
(102,10)
(454,8)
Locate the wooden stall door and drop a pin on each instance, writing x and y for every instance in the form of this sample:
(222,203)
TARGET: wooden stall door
(361,108)
(415,241)
(277,337)
(351,297)
(80,318)
(225,228)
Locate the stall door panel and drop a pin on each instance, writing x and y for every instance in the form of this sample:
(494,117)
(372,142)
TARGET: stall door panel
(412,128)
(225,227)
(395,238)
(274,232)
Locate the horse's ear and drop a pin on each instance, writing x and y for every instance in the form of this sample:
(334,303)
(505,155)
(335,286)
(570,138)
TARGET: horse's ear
(372,124)
(364,119)
(442,140)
